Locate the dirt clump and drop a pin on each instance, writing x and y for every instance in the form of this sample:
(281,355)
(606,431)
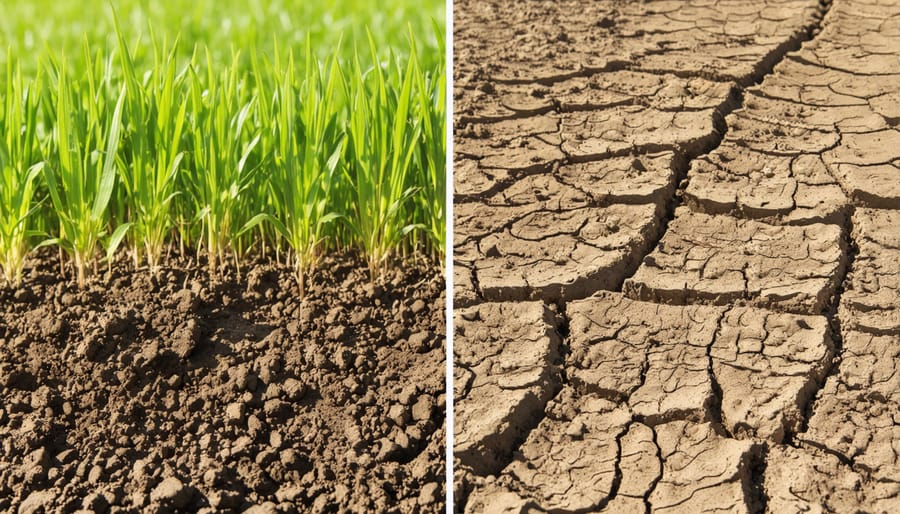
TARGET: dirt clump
(177,393)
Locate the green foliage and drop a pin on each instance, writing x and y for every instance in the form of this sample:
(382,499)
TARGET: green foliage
(293,146)
(220,25)
(19,168)
(383,139)
(222,139)
(303,121)
(81,173)
(431,158)
(152,155)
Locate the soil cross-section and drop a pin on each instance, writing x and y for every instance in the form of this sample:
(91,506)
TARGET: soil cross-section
(720,259)
(183,394)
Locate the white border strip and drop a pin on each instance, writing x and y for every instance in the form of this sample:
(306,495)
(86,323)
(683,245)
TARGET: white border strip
(448,260)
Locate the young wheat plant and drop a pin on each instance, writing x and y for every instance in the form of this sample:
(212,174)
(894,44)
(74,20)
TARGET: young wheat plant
(154,122)
(81,177)
(19,168)
(222,140)
(308,142)
(383,140)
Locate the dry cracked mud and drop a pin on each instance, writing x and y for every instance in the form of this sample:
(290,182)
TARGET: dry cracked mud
(500,388)
(676,256)
(722,259)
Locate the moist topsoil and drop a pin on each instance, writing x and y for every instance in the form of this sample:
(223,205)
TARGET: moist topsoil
(181,393)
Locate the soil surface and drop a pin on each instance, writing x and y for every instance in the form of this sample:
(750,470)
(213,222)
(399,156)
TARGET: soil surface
(178,394)
(677,256)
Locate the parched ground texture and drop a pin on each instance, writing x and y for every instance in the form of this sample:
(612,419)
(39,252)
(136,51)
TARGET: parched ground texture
(181,394)
(677,256)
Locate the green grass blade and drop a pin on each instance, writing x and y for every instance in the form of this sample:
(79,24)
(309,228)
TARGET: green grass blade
(108,176)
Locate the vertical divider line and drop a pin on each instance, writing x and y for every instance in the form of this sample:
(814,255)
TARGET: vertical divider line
(448,259)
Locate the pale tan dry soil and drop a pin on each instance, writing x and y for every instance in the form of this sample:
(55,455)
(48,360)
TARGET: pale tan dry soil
(677,256)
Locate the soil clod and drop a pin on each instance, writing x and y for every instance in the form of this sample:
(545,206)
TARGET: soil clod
(156,394)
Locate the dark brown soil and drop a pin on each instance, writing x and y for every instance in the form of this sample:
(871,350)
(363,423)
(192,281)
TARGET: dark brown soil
(181,394)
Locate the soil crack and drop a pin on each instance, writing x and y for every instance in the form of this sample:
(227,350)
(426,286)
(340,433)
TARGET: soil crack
(715,406)
(734,102)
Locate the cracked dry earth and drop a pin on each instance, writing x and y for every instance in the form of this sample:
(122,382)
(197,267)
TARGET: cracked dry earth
(677,256)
